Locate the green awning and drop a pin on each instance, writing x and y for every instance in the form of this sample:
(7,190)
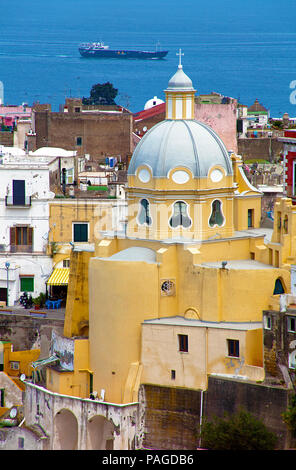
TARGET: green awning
(44,362)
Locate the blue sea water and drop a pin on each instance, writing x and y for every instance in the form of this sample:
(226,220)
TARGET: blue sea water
(241,49)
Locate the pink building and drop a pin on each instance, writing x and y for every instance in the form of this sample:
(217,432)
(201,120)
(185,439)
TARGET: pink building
(11,114)
(215,110)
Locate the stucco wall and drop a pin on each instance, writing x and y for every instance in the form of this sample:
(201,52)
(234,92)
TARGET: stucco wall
(221,118)
(69,421)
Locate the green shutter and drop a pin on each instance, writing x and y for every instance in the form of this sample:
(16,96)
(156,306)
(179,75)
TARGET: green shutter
(80,233)
(27,284)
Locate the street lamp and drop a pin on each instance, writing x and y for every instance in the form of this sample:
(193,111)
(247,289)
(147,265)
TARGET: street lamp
(7,264)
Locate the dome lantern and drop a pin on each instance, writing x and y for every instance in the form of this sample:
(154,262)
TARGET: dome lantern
(180,95)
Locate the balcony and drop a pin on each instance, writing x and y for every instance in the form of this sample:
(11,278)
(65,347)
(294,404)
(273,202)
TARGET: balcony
(11,201)
(21,248)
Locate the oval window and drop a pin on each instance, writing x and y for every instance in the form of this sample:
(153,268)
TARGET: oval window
(180,177)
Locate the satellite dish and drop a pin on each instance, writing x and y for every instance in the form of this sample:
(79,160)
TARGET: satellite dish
(13,412)
(23,377)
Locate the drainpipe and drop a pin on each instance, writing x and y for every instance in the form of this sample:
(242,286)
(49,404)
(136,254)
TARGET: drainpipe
(202,391)
(200,416)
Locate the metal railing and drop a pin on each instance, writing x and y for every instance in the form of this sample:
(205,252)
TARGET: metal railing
(21,248)
(10,201)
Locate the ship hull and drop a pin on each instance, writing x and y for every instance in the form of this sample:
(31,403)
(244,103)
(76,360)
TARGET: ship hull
(121,54)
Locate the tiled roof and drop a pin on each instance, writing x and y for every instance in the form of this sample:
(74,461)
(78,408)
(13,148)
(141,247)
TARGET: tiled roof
(257,107)
(147,113)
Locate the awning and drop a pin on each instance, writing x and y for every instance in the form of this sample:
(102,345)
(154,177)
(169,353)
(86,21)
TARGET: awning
(59,277)
(44,362)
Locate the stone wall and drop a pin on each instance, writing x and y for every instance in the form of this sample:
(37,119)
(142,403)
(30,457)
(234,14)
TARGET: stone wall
(267,149)
(171,416)
(26,332)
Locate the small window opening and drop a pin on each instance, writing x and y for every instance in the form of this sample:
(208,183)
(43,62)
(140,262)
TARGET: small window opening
(292,324)
(267,322)
(183,343)
(278,287)
(233,347)
(21,443)
(173,374)
(250,218)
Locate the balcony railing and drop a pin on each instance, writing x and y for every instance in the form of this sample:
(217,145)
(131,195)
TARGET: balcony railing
(10,201)
(21,248)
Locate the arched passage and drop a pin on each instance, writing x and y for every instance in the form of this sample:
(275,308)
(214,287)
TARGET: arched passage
(65,430)
(100,434)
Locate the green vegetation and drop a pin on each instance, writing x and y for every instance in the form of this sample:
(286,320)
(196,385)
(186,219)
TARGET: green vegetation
(40,300)
(97,188)
(240,431)
(289,416)
(101,94)
(258,160)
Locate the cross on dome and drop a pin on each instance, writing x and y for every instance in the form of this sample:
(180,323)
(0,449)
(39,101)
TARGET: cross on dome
(180,54)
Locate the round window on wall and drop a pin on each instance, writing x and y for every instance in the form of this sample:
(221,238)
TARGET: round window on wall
(216,175)
(144,175)
(167,287)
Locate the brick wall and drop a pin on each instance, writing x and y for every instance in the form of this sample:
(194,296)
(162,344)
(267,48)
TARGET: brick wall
(6,138)
(101,134)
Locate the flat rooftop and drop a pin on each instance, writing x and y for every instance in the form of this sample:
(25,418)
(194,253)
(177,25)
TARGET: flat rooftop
(238,264)
(181,321)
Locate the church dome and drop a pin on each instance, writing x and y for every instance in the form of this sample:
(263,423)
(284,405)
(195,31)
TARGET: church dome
(153,102)
(180,143)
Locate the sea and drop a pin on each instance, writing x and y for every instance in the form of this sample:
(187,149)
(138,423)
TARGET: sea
(245,50)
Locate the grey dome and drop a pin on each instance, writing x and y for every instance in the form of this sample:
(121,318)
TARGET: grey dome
(173,143)
(180,81)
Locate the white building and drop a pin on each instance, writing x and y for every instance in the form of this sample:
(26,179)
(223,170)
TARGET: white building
(24,227)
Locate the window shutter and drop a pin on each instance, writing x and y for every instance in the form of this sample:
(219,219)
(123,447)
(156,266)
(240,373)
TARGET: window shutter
(30,236)
(80,232)
(12,235)
(18,192)
(27,284)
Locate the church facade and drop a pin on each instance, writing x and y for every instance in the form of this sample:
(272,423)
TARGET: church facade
(179,297)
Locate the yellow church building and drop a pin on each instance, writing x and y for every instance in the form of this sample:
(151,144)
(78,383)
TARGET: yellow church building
(181,296)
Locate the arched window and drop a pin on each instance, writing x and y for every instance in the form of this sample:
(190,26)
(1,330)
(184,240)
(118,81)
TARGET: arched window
(144,213)
(180,217)
(278,287)
(217,217)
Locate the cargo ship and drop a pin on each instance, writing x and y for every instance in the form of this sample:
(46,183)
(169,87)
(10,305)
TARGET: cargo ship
(100,50)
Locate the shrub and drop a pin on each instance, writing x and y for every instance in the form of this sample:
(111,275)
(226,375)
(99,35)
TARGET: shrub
(240,431)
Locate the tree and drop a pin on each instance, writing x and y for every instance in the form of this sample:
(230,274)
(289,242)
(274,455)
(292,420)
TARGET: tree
(289,416)
(240,431)
(101,94)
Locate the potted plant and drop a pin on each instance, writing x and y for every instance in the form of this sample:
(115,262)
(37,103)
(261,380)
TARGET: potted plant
(36,302)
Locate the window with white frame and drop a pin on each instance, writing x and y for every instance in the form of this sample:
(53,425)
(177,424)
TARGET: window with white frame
(80,232)
(267,322)
(291,324)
